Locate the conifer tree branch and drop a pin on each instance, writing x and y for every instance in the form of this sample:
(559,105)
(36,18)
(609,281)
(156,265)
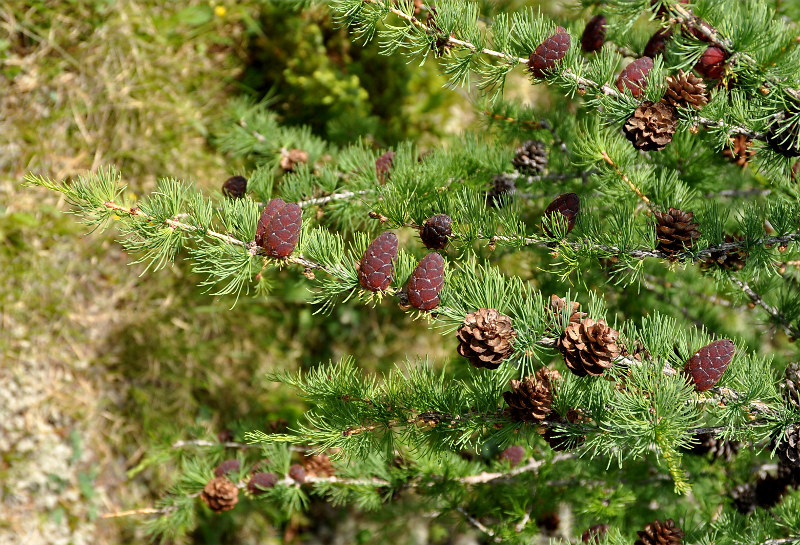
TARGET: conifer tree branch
(627,180)
(790,329)
(479,525)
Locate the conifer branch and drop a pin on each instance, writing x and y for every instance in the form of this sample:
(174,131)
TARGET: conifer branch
(627,180)
(790,329)
(480,526)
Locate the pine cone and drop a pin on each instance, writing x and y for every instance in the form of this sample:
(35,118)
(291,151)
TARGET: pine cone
(708,364)
(740,153)
(529,399)
(298,473)
(436,231)
(568,205)
(513,455)
(227,467)
(530,158)
(729,260)
(549,53)
(589,347)
(790,387)
(426,282)
(686,90)
(789,446)
(594,34)
(712,63)
(293,157)
(502,184)
(235,187)
(657,43)
(220,494)
(720,449)
(486,338)
(556,309)
(594,533)
(318,465)
(377,265)
(784,136)
(789,474)
(634,76)
(279,227)
(652,125)
(260,482)
(660,533)
(744,498)
(383,165)
(676,231)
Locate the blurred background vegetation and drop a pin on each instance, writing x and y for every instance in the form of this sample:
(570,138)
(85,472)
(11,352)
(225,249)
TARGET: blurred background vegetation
(101,367)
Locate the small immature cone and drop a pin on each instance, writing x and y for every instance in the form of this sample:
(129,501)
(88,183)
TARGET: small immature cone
(634,76)
(298,473)
(568,205)
(436,231)
(530,398)
(235,187)
(547,55)
(279,228)
(220,495)
(383,166)
(712,63)
(707,365)
(260,482)
(657,43)
(377,265)
(227,467)
(513,454)
(594,34)
(676,231)
(426,282)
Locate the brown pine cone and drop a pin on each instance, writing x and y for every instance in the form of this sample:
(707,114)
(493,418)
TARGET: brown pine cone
(293,157)
(486,338)
(298,473)
(318,465)
(676,231)
(744,498)
(790,387)
(556,308)
(548,53)
(657,43)
(652,126)
(686,90)
(634,76)
(712,63)
(594,34)
(235,187)
(729,260)
(502,184)
(660,533)
(740,152)
(530,398)
(530,158)
(789,446)
(220,494)
(589,347)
